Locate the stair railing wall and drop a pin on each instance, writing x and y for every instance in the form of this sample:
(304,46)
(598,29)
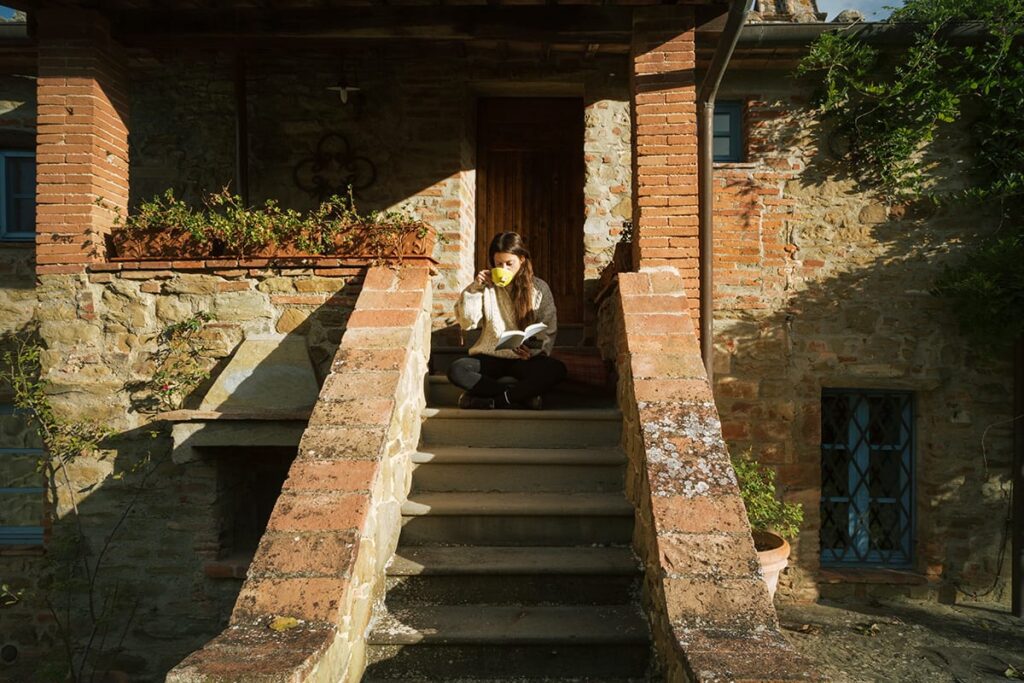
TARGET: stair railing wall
(710,614)
(303,611)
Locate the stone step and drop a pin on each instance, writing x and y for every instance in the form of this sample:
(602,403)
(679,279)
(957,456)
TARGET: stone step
(518,679)
(503,561)
(516,503)
(604,663)
(536,589)
(510,625)
(513,477)
(464,455)
(504,642)
(522,428)
(507,576)
(517,519)
(441,393)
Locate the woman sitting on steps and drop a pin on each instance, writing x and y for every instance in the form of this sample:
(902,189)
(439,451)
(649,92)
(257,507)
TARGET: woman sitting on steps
(494,308)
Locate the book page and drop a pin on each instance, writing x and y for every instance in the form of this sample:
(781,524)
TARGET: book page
(533,329)
(510,340)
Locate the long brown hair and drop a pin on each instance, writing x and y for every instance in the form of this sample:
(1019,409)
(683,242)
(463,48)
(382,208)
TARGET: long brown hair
(521,287)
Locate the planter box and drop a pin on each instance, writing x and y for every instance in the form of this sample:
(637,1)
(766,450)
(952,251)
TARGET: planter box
(176,244)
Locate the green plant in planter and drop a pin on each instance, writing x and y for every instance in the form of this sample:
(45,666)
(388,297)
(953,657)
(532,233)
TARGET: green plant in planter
(335,226)
(242,230)
(165,213)
(764,509)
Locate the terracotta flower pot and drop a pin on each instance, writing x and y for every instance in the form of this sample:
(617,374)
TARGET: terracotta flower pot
(167,243)
(356,243)
(416,245)
(773,554)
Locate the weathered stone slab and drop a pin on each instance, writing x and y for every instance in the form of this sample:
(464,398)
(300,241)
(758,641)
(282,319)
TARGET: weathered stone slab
(267,371)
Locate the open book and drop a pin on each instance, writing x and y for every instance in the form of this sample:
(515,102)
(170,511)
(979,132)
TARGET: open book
(512,339)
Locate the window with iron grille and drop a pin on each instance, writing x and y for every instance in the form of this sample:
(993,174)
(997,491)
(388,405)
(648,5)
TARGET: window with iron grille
(867,478)
(22,492)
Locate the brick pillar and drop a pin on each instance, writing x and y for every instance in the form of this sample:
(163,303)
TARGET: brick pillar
(663,95)
(82,139)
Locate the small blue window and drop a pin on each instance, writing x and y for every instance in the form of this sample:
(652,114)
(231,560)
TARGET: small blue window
(867,478)
(728,131)
(17,195)
(22,494)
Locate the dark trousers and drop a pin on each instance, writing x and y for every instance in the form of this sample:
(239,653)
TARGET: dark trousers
(479,375)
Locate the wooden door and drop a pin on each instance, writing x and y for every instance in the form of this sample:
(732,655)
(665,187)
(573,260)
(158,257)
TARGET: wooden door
(530,181)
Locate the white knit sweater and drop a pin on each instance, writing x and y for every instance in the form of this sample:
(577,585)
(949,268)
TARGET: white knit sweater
(490,308)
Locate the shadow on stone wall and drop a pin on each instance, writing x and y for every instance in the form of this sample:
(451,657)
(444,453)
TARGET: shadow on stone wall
(154,528)
(839,297)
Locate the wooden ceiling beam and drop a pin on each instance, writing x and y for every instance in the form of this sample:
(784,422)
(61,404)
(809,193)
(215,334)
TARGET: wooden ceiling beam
(602,25)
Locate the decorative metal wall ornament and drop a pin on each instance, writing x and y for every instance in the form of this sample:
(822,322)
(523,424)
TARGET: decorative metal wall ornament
(333,168)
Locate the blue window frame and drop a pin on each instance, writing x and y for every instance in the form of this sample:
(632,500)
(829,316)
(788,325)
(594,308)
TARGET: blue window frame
(17,195)
(728,131)
(867,478)
(22,494)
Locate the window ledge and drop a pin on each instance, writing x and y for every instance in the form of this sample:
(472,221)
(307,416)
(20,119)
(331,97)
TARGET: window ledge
(23,245)
(872,575)
(736,164)
(234,567)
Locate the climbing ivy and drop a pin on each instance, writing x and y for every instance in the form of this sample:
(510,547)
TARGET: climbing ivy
(888,105)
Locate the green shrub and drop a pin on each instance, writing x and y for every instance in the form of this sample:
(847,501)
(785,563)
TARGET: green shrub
(764,509)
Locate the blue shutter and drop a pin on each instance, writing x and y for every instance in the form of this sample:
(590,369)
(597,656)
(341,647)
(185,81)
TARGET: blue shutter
(727,143)
(17,195)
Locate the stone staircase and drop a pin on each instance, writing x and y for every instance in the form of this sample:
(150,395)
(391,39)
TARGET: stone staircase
(514,561)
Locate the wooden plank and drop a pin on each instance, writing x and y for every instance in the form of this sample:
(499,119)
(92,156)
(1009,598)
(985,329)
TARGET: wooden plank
(530,181)
(547,24)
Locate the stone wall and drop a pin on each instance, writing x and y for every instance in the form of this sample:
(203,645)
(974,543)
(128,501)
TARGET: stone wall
(99,333)
(337,521)
(708,605)
(20,568)
(820,283)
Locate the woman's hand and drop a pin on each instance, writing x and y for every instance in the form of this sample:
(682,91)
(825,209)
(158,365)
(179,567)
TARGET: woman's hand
(522,352)
(483,277)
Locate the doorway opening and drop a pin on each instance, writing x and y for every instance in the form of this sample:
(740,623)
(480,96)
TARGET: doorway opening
(530,176)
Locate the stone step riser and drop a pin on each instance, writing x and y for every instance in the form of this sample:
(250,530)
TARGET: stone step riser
(526,478)
(452,662)
(487,431)
(404,591)
(515,530)
(446,395)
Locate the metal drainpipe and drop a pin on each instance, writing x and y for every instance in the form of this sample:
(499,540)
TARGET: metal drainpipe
(705,126)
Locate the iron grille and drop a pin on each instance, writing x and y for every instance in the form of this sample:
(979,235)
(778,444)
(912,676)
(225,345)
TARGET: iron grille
(867,478)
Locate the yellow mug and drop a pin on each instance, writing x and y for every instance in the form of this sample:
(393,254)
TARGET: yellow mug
(501,277)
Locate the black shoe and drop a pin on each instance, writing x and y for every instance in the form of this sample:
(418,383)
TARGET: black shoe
(468,402)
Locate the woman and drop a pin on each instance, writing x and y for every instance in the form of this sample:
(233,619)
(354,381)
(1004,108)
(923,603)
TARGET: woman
(524,301)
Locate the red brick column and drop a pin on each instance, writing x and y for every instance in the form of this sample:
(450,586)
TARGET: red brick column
(663,106)
(82,142)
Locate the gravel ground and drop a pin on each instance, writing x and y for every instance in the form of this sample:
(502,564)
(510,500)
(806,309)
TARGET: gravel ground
(907,641)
